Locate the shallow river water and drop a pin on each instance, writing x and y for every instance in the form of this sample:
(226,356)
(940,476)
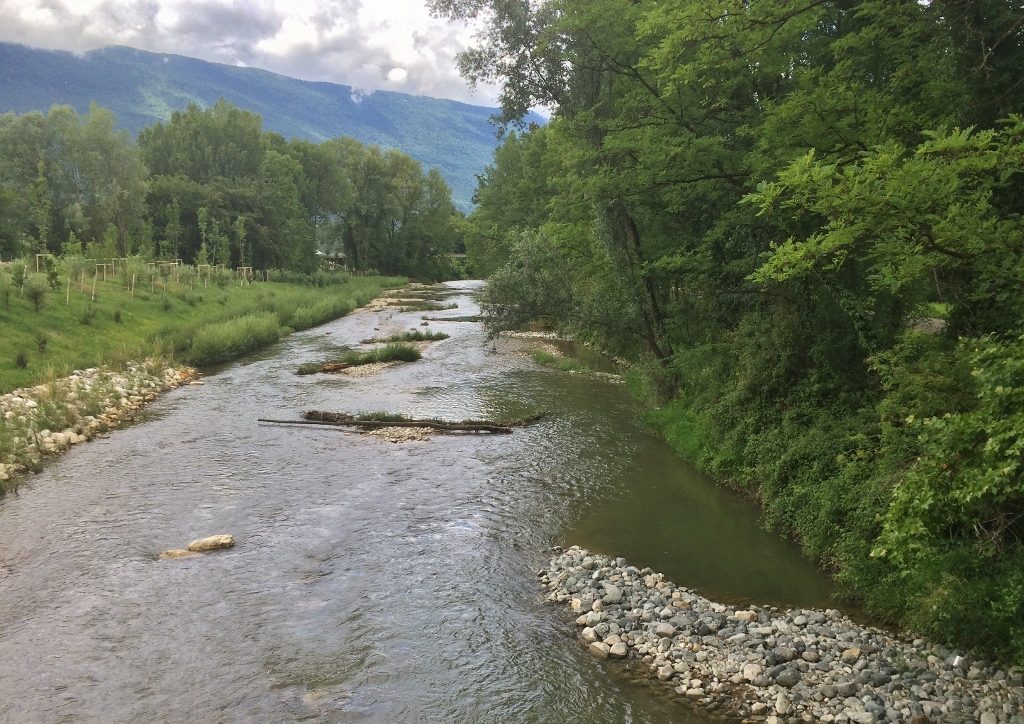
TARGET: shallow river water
(371,581)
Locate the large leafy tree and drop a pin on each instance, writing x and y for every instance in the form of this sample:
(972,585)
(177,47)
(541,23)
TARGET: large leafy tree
(799,207)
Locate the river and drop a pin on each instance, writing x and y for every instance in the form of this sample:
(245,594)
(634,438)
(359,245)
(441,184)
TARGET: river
(371,581)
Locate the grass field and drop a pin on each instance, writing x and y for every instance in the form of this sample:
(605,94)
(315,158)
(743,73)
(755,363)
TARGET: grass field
(194,326)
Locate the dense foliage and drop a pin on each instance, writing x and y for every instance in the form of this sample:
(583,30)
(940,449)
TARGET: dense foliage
(210,186)
(806,217)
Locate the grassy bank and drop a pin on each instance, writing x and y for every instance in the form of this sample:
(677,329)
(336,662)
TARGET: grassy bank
(74,329)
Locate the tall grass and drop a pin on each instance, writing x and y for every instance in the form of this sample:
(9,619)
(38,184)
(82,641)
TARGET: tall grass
(227,340)
(310,315)
(394,352)
(415,335)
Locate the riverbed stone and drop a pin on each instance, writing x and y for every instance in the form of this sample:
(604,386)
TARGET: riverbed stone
(212,543)
(785,653)
(665,630)
(788,678)
(824,666)
(781,704)
(851,655)
(176,553)
(600,649)
(613,594)
(619,650)
(74,394)
(846,688)
(751,671)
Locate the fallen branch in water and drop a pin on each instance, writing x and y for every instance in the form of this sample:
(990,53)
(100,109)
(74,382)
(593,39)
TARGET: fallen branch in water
(374,421)
(377,424)
(473,318)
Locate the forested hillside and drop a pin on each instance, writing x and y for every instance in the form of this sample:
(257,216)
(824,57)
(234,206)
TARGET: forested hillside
(804,218)
(212,187)
(143,88)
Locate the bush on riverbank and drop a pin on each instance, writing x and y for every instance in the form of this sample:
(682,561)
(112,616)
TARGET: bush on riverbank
(163,318)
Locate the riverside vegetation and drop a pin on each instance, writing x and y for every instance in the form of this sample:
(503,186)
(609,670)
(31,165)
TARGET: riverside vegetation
(55,335)
(121,251)
(804,220)
(179,315)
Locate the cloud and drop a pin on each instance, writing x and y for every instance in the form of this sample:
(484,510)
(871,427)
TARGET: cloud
(371,45)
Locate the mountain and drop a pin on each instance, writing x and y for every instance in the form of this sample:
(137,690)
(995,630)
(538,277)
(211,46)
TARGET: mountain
(142,88)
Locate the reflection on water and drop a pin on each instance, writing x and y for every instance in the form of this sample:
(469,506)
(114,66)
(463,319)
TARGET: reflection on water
(371,581)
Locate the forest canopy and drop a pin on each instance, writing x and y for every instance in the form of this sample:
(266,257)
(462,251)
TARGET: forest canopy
(210,186)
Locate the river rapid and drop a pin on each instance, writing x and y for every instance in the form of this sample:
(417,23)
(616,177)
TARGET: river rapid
(371,581)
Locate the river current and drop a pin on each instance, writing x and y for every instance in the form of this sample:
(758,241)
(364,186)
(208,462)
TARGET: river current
(371,581)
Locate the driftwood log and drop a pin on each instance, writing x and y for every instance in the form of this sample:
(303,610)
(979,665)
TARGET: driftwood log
(377,424)
(341,419)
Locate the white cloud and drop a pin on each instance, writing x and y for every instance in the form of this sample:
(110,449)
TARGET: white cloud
(371,44)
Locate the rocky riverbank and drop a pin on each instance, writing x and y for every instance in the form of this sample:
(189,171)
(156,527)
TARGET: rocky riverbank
(767,664)
(47,419)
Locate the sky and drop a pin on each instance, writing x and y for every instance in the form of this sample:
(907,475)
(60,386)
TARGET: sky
(369,44)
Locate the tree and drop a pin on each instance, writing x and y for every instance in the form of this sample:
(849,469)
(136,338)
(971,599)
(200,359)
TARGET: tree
(243,251)
(169,248)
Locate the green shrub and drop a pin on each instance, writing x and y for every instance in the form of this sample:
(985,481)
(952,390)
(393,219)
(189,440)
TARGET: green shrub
(6,288)
(224,340)
(52,272)
(35,290)
(18,270)
(396,352)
